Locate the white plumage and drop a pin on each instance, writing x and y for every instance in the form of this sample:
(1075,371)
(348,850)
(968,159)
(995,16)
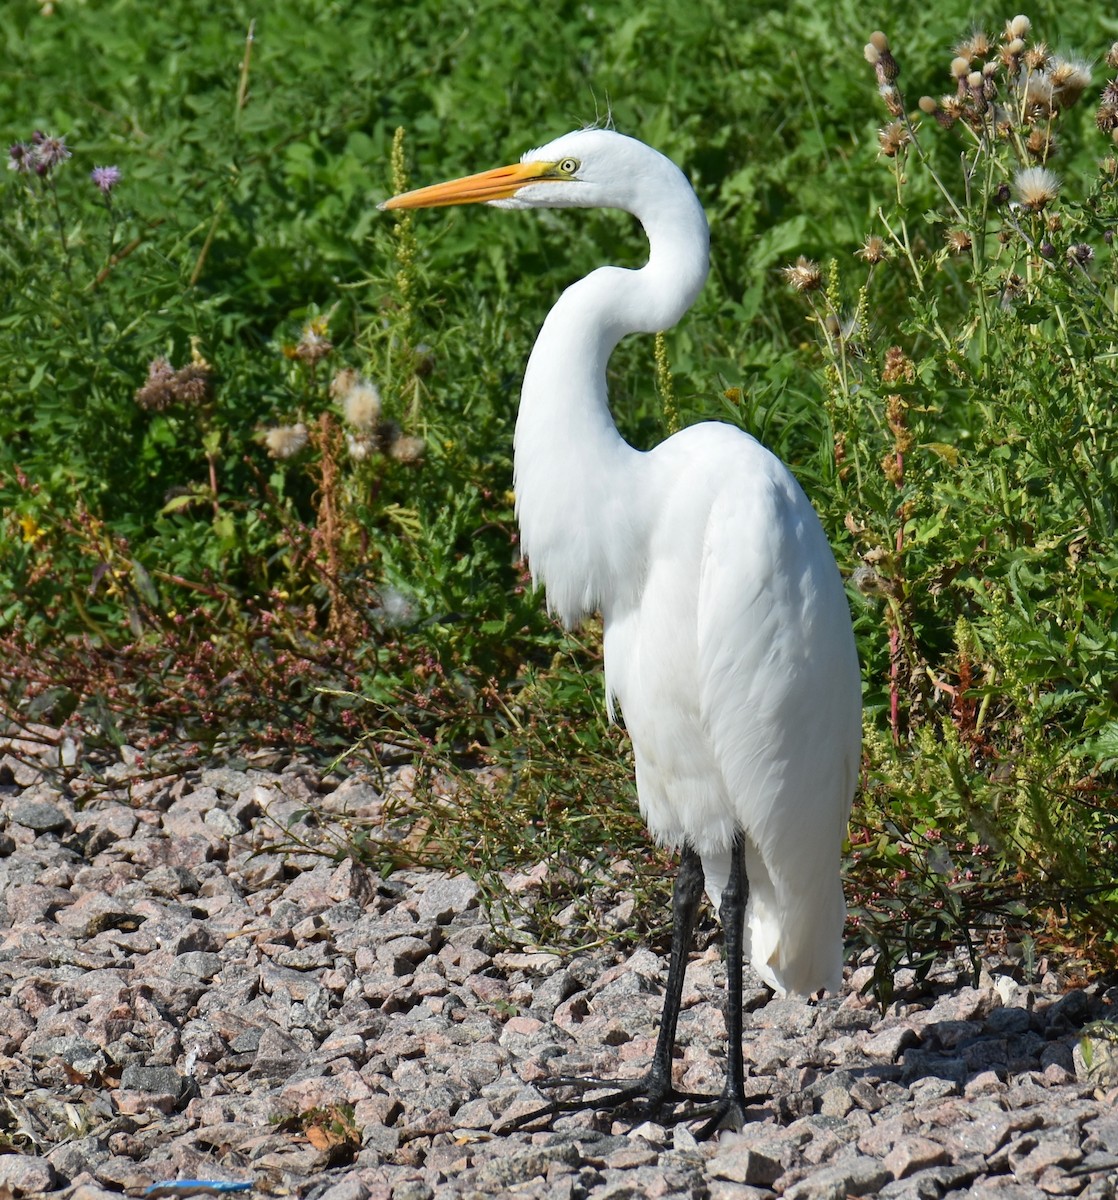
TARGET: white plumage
(728,642)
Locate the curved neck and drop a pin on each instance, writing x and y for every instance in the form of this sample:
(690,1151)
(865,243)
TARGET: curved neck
(574,473)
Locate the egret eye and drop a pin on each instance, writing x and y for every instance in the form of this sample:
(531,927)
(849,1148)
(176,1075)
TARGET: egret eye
(568,166)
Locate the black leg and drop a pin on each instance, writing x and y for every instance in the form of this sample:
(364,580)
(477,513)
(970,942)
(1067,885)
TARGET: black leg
(686,896)
(731,1106)
(655,1088)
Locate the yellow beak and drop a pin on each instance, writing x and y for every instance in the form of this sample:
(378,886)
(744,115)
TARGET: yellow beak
(498,184)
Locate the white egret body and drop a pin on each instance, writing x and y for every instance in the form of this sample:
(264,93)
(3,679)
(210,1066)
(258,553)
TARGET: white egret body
(728,642)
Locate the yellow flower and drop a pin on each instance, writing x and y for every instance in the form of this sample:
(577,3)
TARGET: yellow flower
(32,530)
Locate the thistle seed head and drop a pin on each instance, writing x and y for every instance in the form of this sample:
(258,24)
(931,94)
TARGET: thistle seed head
(804,275)
(1080,254)
(1070,79)
(1017,27)
(285,441)
(874,250)
(1036,57)
(47,152)
(409,450)
(1040,144)
(314,345)
(359,446)
(893,138)
(1036,188)
(362,406)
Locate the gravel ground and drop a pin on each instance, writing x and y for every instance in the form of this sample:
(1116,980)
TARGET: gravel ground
(175,1004)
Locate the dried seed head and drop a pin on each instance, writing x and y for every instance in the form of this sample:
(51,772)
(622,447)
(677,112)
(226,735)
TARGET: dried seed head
(958,241)
(804,275)
(47,152)
(314,344)
(1036,188)
(408,450)
(952,108)
(362,405)
(359,446)
(1041,144)
(960,68)
(165,387)
(874,250)
(895,409)
(1080,254)
(898,367)
(893,138)
(343,383)
(191,383)
(891,469)
(891,98)
(1011,55)
(1036,57)
(1039,95)
(1012,289)
(1017,27)
(1106,118)
(976,46)
(878,55)
(1112,57)
(1070,79)
(867,581)
(285,441)
(157,394)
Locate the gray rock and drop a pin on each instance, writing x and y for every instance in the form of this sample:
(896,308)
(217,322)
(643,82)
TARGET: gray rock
(859,1176)
(151,1079)
(26,1174)
(42,816)
(443,899)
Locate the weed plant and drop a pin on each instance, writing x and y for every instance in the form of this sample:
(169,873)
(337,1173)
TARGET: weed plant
(255,439)
(968,363)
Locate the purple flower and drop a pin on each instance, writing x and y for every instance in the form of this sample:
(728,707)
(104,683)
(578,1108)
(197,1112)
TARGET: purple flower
(106,178)
(19,158)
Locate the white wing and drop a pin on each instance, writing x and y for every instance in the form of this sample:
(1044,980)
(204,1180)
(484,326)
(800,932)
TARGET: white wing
(780,698)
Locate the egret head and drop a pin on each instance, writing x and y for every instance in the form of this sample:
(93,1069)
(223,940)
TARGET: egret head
(589,168)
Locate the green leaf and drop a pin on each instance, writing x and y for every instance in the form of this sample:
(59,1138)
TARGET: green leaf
(144,584)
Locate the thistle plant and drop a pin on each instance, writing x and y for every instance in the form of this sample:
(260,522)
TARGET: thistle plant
(978,467)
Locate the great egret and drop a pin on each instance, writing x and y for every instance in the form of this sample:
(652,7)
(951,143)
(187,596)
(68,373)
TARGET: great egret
(727,637)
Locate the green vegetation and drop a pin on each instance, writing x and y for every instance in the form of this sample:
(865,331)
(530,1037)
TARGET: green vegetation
(255,437)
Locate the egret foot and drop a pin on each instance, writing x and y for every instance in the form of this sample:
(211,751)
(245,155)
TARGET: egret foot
(648,1097)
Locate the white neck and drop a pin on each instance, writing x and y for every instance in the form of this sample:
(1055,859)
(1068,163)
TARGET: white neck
(574,473)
